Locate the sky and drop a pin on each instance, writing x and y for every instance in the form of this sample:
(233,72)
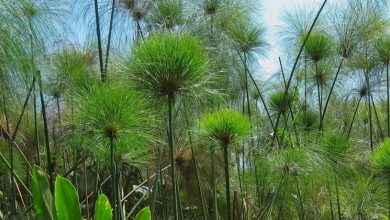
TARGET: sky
(271,12)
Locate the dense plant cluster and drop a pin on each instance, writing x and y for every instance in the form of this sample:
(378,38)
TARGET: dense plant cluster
(163,111)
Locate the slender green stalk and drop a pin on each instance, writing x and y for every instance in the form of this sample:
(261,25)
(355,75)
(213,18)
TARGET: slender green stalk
(4,160)
(388,193)
(196,169)
(139,31)
(388,100)
(302,212)
(99,41)
(337,195)
(354,116)
(227,181)
(289,104)
(296,63)
(214,209)
(370,122)
(50,169)
(60,131)
(36,139)
(259,92)
(172,157)
(23,109)
(377,118)
(330,200)
(113,179)
(330,94)
(11,159)
(109,39)
(155,184)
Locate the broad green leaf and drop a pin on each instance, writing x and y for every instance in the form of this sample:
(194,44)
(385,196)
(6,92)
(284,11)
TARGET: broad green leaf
(66,200)
(144,214)
(42,197)
(103,209)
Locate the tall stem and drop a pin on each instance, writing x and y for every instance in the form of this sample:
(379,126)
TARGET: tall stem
(113,178)
(296,63)
(330,200)
(214,210)
(11,159)
(377,117)
(337,195)
(99,41)
(36,138)
(354,116)
(388,193)
(173,165)
(302,215)
(155,184)
(330,94)
(227,182)
(23,109)
(388,100)
(50,169)
(109,39)
(289,105)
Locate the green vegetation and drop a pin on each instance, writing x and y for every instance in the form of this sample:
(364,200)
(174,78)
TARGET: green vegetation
(163,111)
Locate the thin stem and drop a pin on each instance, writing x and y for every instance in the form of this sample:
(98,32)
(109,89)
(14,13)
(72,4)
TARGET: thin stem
(36,139)
(289,105)
(113,179)
(388,100)
(330,200)
(172,157)
(227,182)
(354,115)
(377,118)
(296,63)
(330,94)
(388,193)
(155,184)
(24,108)
(4,160)
(49,164)
(11,159)
(337,195)
(99,41)
(109,39)
(302,215)
(258,91)
(214,210)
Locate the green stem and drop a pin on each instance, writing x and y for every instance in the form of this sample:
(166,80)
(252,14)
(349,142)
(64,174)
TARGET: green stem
(377,118)
(11,159)
(172,158)
(296,63)
(155,184)
(214,210)
(50,169)
(113,179)
(330,200)
(337,195)
(354,116)
(99,41)
(109,40)
(388,100)
(36,138)
(302,213)
(289,104)
(388,193)
(330,94)
(23,108)
(227,182)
